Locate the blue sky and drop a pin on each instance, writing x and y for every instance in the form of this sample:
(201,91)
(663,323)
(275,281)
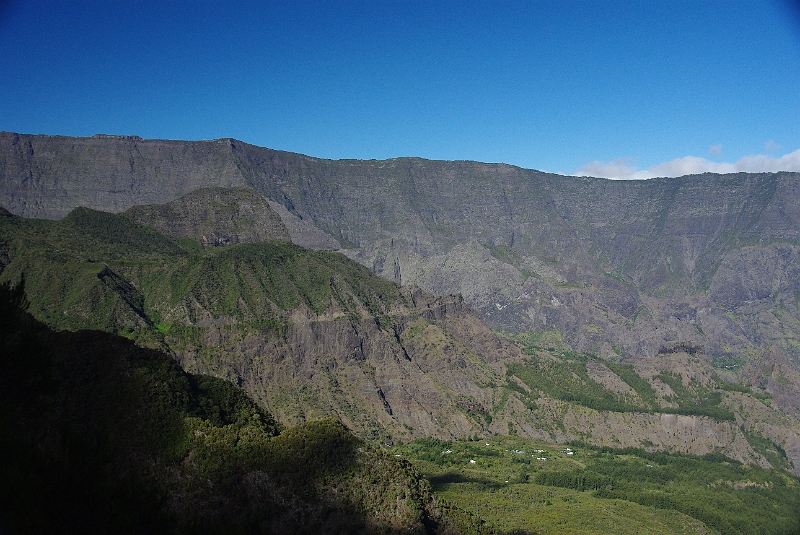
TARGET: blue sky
(621,89)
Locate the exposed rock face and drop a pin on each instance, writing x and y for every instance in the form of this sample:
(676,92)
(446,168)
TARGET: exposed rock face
(47,176)
(408,381)
(620,269)
(754,274)
(214,216)
(644,262)
(302,232)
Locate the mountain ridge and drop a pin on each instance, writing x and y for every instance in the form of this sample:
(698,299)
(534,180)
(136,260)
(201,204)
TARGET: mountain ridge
(619,269)
(312,334)
(608,252)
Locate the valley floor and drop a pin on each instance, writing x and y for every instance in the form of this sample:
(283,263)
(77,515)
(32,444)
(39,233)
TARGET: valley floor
(522,486)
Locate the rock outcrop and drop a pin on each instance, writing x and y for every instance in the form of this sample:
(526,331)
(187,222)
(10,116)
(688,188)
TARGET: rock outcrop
(215,216)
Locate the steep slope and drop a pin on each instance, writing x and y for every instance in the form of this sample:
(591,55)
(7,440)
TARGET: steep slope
(101,436)
(215,216)
(47,176)
(311,334)
(308,333)
(621,269)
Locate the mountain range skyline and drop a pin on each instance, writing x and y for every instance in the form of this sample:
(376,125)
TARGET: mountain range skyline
(617,90)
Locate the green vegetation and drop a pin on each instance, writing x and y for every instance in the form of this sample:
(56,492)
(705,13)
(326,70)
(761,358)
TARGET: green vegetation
(568,381)
(122,234)
(100,436)
(774,453)
(534,487)
(643,388)
(103,271)
(532,341)
(509,256)
(728,362)
(261,280)
(695,399)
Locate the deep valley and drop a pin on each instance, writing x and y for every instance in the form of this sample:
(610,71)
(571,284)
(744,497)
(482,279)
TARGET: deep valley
(403,307)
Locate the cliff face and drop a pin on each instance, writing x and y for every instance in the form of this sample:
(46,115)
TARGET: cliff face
(642,263)
(47,176)
(622,270)
(413,378)
(311,334)
(215,216)
(658,234)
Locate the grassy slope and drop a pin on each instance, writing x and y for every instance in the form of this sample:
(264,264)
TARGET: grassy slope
(561,374)
(102,271)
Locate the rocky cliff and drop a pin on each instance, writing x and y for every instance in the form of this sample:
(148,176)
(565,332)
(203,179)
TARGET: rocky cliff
(310,334)
(215,216)
(618,268)
(624,271)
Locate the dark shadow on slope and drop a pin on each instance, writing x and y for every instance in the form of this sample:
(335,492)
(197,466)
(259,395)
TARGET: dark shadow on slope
(98,435)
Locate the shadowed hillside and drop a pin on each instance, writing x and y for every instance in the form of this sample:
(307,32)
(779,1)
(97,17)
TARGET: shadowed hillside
(102,436)
(309,334)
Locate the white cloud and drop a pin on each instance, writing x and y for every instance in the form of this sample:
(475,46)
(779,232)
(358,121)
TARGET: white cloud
(621,169)
(615,168)
(715,150)
(771,146)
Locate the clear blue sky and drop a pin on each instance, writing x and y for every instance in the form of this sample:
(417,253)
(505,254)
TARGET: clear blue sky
(601,87)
